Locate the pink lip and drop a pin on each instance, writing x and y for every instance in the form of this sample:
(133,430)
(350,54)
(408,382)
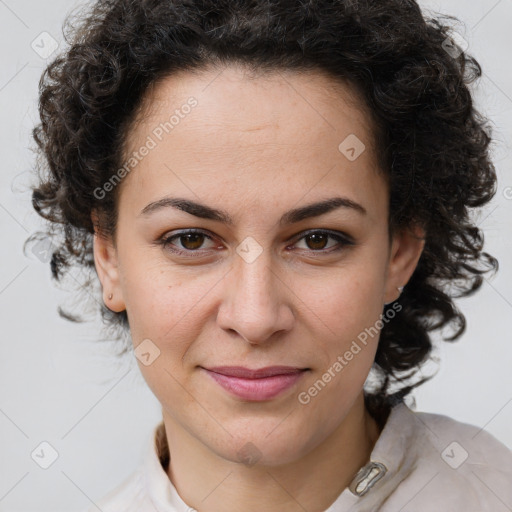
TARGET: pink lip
(255,385)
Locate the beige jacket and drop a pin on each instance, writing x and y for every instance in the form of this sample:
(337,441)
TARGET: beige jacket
(421,462)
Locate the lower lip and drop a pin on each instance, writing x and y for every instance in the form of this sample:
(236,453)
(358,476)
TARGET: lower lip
(256,389)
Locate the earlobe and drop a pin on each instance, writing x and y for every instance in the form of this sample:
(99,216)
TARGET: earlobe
(105,260)
(406,250)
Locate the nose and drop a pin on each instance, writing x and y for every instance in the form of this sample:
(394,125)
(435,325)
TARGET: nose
(256,302)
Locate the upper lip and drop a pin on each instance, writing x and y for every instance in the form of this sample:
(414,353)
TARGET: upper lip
(247,373)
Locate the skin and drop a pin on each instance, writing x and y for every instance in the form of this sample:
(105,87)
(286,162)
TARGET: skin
(256,146)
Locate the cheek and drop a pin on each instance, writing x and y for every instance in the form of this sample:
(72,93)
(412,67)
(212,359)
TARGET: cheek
(154,292)
(349,302)
(167,305)
(164,306)
(351,351)
(350,315)
(351,311)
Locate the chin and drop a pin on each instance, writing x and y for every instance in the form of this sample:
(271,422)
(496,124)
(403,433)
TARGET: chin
(264,445)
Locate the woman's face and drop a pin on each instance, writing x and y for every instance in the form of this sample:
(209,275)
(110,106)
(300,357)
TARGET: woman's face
(258,291)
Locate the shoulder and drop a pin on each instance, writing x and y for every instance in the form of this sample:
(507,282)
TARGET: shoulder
(147,486)
(459,466)
(465,444)
(129,496)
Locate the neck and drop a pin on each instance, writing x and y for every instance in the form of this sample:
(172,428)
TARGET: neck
(208,482)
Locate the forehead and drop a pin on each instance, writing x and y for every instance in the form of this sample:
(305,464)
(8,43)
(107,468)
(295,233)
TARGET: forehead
(244,100)
(282,130)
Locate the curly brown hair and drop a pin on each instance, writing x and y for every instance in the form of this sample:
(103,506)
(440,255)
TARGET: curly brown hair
(431,141)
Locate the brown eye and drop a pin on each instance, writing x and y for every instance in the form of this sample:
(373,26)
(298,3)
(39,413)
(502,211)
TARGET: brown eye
(316,241)
(191,241)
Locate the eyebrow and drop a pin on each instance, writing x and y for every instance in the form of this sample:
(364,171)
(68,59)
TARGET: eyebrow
(291,217)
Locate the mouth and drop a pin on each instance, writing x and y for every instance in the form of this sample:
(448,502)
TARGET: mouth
(256,384)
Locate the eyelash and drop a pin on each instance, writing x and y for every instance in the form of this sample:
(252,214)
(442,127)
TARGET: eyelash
(342,239)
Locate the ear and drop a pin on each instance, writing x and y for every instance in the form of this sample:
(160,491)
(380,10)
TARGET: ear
(406,249)
(105,260)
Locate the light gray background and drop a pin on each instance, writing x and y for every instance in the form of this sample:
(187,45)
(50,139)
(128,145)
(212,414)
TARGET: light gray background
(57,384)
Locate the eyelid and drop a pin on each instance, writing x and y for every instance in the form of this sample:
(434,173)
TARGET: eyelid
(345,237)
